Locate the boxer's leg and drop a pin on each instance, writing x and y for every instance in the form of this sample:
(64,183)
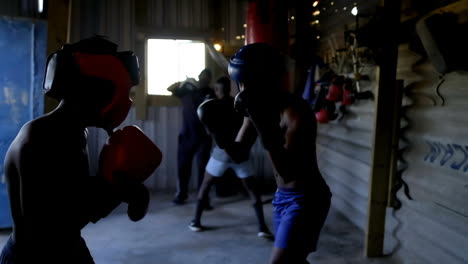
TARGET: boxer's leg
(245,172)
(214,169)
(185,154)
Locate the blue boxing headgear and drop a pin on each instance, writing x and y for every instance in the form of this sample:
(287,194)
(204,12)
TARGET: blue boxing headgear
(256,62)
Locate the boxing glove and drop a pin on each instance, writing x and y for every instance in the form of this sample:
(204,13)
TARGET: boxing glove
(130,153)
(322,116)
(209,114)
(221,120)
(335,92)
(134,193)
(348,98)
(138,203)
(241,103)
(248,103)
(348,95)
(327,113)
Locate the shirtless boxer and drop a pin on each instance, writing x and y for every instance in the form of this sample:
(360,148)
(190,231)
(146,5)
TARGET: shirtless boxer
(52,194)
(287,128)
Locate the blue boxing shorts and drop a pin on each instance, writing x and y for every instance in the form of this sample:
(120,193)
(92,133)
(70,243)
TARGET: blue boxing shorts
(298,218)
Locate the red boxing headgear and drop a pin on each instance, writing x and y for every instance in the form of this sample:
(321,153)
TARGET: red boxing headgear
(95,57)
(110,68)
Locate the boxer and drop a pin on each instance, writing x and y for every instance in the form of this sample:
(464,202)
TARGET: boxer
(52,195)
(287,128)
(223,124)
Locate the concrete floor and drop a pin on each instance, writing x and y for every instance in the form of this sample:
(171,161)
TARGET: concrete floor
(163,237)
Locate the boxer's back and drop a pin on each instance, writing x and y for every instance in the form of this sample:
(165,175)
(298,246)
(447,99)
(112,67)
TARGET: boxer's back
(43,168)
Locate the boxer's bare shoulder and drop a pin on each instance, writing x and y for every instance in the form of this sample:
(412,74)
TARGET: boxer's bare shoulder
(299,125)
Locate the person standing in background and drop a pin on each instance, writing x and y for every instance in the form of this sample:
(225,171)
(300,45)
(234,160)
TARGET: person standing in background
(193,141)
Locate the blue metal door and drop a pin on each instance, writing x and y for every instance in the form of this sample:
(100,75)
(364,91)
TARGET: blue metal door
(22,58)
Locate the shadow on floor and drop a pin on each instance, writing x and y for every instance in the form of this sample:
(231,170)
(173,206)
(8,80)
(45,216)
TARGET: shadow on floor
(163,236)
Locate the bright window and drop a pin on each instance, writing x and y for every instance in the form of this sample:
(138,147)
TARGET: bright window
(40,6)
(173,60)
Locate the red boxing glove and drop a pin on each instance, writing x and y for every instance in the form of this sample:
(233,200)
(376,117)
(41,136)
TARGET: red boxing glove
(322,116)
(129,152)
(347,97)
(335,91)
(348,94)
(334,94)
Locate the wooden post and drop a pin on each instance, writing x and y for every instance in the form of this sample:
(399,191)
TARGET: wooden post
(141,91)
(395,141)
(305,45)
(382,143)
(59,16)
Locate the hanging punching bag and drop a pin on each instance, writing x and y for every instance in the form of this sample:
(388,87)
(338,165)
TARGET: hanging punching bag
(267,21)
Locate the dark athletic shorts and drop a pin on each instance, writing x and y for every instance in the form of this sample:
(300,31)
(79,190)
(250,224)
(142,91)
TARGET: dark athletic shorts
(298,217)
(10,255)
(7,256)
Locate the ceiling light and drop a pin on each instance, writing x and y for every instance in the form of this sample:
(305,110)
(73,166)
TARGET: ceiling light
(217,47)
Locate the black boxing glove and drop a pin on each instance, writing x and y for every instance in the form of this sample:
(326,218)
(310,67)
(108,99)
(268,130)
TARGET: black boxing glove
(207,112)
(221,120)
(135,194)
(210,114)
(241,103)
(264,113)
(138,203)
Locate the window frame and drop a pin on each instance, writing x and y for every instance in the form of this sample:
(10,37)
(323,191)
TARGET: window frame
(143,100)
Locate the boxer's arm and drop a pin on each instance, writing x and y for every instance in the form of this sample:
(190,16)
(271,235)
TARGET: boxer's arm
(53,191)
(266,117)
(239,150)
(246,131)
(100,201)
(291,121)
(174,88)
(179,90)
(279,142)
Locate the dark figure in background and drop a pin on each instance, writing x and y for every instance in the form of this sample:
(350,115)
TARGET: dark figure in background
(51,193)
(193,139)
(287,128)
(223,123)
